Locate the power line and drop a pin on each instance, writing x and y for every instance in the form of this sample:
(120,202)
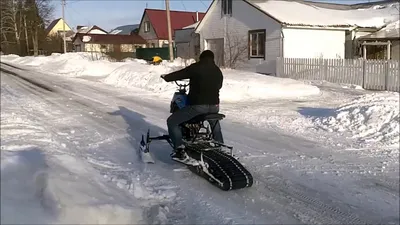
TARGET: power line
(203,4)
(183,5)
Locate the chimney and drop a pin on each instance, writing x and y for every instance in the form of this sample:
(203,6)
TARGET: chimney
(197,16)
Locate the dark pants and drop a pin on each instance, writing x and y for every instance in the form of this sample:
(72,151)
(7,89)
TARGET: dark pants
(187,114)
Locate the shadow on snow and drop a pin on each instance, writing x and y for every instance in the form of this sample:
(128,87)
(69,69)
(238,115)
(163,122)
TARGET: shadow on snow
(138,126)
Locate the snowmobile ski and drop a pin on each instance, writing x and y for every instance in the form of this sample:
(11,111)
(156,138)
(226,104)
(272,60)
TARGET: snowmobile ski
(145,154)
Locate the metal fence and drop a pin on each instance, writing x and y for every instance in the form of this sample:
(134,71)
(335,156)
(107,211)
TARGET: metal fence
(370,74)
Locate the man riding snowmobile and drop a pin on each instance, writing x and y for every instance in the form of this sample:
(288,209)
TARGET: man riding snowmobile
(205,82)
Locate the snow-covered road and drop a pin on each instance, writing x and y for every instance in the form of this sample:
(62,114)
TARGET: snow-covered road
(69,156)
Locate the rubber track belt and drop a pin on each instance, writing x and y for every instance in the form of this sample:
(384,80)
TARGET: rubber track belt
(230,173)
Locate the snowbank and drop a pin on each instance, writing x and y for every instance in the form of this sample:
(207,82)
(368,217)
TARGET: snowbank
(38,191)
(241,85)
(238,85)
(70,64)
(371,118)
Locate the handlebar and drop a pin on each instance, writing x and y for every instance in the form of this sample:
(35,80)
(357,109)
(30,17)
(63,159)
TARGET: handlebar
(181,85)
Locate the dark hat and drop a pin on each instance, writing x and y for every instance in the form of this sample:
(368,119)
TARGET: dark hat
(207,54)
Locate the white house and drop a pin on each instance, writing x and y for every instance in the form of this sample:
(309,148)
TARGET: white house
(251,34)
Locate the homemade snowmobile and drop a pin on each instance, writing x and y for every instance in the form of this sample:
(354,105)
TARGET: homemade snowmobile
(210,159)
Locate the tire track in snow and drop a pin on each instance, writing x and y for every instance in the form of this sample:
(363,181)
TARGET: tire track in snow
(303,204)
(302,196)
(156,210)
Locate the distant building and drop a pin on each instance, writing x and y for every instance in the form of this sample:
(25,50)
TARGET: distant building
(187,42)
(154,29)
(56,27)
(86,42)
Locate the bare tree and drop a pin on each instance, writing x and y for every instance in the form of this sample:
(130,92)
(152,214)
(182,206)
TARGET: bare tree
(232,52)
(235,49)
(10,22)
(26,35)
(38,14)
(23,20)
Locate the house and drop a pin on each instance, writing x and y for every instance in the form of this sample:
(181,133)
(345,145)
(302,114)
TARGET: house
(87,42)
(154,29)
(383,44)
(56,27)
(126,29)
(251,34)
(187,42)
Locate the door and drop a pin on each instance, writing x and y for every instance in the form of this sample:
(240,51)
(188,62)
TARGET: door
(217,46)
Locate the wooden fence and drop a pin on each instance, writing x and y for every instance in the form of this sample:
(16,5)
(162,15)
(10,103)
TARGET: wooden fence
(370,74)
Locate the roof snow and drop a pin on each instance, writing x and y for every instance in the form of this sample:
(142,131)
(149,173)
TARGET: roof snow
(308,14)
(86,38)
(390,31)
(192,25)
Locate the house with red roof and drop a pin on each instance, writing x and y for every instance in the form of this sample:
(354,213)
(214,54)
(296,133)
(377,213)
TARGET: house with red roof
(154,28)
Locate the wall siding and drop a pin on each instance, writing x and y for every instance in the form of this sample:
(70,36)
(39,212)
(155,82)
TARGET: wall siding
(244,18)
(149,36)
(183,35)
(314,43)
(59,27)
(89,47)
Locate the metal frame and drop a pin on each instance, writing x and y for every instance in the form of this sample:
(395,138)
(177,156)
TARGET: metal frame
(209,139)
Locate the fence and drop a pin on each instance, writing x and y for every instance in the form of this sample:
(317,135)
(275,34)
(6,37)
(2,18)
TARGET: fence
(148,53)
(370,74)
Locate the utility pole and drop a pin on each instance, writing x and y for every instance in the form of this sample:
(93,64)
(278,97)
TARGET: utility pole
(63,17)
(171,52)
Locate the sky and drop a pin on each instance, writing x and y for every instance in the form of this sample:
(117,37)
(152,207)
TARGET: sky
(109,14)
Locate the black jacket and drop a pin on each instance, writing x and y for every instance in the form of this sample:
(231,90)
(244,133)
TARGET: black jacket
(205,82)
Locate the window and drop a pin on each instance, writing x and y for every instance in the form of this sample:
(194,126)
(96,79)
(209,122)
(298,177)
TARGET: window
(146,26)
(257,44)
(226,7)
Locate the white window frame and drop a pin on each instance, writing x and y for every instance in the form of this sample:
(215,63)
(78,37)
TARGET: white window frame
(147,26)
(258,33)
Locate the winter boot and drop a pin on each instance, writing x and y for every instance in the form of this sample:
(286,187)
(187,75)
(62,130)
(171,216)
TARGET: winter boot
(180,155)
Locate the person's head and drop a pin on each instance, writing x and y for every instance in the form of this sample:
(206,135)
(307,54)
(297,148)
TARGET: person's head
(207,55)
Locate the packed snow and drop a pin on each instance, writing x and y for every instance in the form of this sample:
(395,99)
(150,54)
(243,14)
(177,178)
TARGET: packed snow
(288,12)
(238,86)
(267,101)
(40,184)
(69,155)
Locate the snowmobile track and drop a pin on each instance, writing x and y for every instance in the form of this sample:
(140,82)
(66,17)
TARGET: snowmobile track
(325,213)
(226,169)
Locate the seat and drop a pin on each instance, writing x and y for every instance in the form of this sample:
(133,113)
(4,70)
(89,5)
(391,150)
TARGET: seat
(207,116)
